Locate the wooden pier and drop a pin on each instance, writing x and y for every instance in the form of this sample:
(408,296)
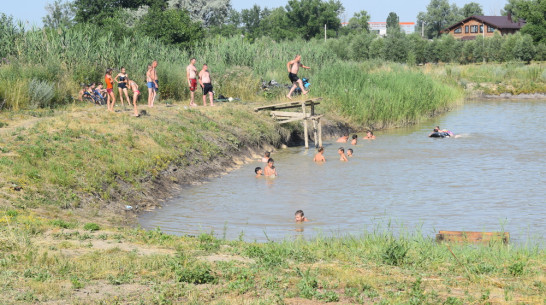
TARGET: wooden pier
(292,116)
(472,237)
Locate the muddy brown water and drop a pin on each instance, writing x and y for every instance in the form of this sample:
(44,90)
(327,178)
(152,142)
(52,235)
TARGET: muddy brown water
(492,178)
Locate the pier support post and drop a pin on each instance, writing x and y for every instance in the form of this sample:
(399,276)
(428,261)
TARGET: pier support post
(305,132)
(319,133)
(315,133)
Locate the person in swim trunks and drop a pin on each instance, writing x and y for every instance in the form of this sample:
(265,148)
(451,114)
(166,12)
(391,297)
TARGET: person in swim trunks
(151,86)
(121,79)
(293,67)
(191,75)
(205,82)
(134,87)
(110,97)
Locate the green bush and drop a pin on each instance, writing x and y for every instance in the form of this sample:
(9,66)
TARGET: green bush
(62,224)
(196,273)
(91,227)
(395,252)
(41,93)
(517,268)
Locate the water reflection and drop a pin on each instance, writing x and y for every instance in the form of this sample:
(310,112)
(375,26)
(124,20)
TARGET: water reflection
(490,179)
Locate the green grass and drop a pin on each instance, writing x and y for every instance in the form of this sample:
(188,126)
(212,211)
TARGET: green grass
(42,262)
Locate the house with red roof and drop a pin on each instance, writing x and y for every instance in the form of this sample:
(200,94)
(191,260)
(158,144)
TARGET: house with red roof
(485,26)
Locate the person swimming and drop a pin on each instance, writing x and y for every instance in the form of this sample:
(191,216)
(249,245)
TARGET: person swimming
(354,140)
(266,157)
(270,170)
(319,156)
(343,139)
(369,135)
(349,152)
(341,152)
(258,171)
(299,217)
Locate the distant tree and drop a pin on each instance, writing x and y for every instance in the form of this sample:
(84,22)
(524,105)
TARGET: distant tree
(277,25)
(511,8)
(416,45)
(494,45)
(208,12)
(468,52)
(171,26)
(359,22)
(308,17)
(524,48)
(396,47)
(472,9)
(393,23)
(8,34)
(508,46)
(377,48)
(59,14)
(251,18)
(359,47)
(97,11)
(439,15)
(534,14)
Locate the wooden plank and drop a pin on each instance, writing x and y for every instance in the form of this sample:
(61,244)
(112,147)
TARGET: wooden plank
(294,104)
(289,120)
(472,237)
(287,114)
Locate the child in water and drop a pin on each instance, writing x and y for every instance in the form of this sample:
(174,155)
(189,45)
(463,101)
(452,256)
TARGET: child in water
(270,170)
(341,152)
(354,140)
(258,171)
(343,139)
(265,158)
(349,152)
(319,157)
(369,135)
(299,216)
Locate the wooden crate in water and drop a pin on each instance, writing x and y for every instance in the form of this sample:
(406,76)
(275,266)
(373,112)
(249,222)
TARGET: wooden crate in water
(472,237)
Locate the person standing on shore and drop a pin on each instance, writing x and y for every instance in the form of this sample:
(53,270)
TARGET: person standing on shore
(111,98)
(191,75)
(151,85)
(134,87)
(293,67)
(205,82)
(121,79)
(155,79)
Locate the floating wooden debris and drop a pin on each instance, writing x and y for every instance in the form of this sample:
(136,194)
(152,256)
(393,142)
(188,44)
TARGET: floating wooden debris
(472,237)
(283,117)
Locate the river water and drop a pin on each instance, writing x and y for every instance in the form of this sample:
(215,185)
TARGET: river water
(492,178)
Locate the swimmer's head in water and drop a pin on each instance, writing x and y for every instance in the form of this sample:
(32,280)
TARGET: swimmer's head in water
(355,136)
(341,150)
(370,133)
(350,151)
(267,154)
(270,161)
(257,170)
(321,149)
(299,216)
(436,130)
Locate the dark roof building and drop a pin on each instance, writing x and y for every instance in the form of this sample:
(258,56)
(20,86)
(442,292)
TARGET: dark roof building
(473,26)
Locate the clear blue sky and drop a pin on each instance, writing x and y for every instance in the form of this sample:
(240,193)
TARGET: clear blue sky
(32,11)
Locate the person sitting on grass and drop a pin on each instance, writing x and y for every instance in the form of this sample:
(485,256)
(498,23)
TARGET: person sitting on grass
(299,217)
(258,171)
(319,157)
(341,152)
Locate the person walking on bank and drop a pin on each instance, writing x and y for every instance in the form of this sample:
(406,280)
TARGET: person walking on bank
(293,67)
(205,82)
(191,75)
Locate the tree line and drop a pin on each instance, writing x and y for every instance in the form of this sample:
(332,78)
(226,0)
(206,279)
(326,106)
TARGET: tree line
(184,23)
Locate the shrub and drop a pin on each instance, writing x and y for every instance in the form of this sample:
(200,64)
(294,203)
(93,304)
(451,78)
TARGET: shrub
(12,213)
(91,227)
(41,93)
(395,253)
(516,269)
(195,273)
(62,224)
